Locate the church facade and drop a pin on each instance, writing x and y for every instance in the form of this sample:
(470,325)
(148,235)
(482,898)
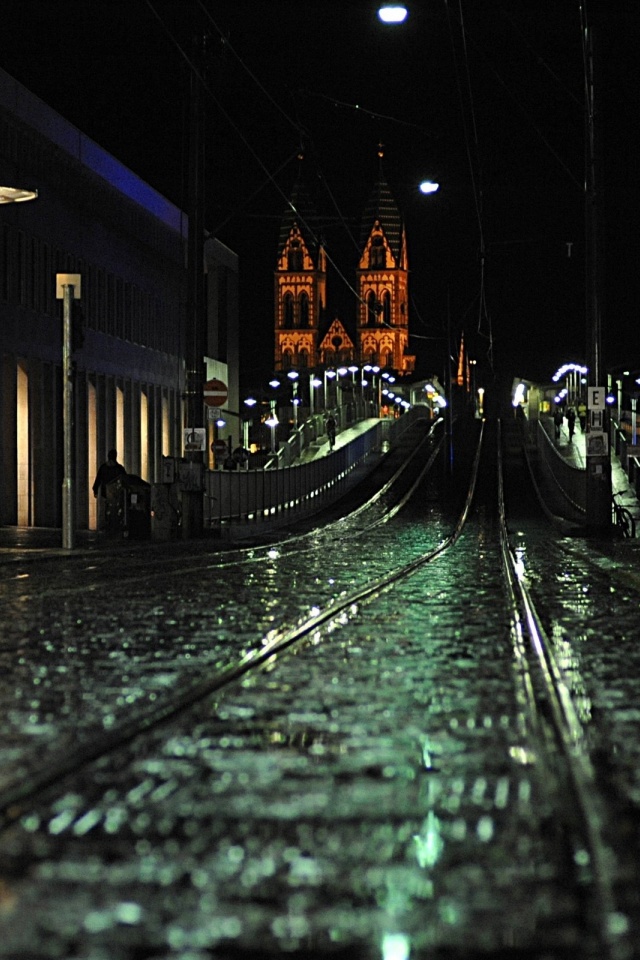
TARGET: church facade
(306,335)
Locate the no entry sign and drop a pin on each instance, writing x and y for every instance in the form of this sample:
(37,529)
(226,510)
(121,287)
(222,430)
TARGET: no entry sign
(215,393)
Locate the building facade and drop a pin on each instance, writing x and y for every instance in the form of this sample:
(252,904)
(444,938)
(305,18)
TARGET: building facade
(304,336)
(95,218)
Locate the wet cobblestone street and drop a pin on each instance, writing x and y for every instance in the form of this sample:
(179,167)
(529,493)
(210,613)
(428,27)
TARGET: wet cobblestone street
(372,792)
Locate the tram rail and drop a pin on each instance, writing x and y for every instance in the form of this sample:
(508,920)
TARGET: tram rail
(554,732)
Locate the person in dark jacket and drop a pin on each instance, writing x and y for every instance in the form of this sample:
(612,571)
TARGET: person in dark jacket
(557,422)
(331,430)
(107,473)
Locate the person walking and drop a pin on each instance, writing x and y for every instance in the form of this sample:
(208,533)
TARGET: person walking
(571,420)
(331,430)
(557,422)
(107,473)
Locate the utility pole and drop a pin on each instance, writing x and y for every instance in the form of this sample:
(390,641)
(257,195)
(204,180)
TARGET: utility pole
(68,290)
(192,483)
(597,440)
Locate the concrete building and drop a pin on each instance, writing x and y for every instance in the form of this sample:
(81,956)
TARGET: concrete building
(95,218)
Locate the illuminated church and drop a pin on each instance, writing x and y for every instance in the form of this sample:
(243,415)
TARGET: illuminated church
(306,335)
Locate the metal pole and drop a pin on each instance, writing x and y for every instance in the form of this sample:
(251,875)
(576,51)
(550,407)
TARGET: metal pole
(598,454)
(68,486)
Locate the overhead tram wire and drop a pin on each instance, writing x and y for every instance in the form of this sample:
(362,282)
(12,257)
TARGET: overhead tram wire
(474,174)
(270,177)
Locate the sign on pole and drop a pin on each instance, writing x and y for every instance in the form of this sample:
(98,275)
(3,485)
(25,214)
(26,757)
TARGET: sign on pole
(215,393)
(195,439)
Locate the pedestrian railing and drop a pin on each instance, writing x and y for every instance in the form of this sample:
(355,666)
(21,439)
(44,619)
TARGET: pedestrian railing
(254,496)
(566,483)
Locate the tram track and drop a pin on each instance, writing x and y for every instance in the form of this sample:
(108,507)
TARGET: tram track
(416,465)
(96,743)
(553,730)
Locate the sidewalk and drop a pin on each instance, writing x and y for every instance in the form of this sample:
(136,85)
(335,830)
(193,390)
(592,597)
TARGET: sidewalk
(18,543)
(574,452)
(322,447)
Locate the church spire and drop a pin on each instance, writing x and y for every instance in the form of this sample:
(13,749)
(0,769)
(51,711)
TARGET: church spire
(300,281)
(382,280)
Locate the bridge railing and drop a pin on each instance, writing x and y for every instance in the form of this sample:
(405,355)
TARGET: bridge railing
(255,496)
(566,484)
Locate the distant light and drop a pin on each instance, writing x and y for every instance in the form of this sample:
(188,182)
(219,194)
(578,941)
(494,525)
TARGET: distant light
(251,401)
(611,398)
(393,13)
(221,423)
(428,186)
(274,383)
(396,946)
(293,375)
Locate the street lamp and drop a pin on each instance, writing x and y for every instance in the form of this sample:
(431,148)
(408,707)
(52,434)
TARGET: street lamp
(293,376)
(393,13)
(249,402)
(331,374)
(313,384)
(272,422)
(342,372)
(13,194)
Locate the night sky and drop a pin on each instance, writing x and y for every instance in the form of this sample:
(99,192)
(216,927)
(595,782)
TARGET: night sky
(493,111)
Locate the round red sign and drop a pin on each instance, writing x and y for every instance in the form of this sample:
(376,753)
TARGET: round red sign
(215,393)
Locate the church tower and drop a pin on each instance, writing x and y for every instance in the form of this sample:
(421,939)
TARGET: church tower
(382,282)
(300,283)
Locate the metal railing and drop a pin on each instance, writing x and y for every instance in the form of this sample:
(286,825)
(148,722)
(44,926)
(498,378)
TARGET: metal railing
(566,484)
(249,497)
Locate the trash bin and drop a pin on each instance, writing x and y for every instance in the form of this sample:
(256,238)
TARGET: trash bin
(137,518)
(165,511)
(113,508)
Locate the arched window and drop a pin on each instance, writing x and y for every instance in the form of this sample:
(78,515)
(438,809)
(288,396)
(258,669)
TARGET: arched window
(303,358)
(389,360)
(371,308)
(294,257)
(386,307)
(287,357)
(304,310)
(377,253)
(287,310)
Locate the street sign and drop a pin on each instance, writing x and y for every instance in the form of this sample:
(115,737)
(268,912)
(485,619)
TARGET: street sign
(215,393)
(219,447)
(214,413)
(195,439)
(596,398)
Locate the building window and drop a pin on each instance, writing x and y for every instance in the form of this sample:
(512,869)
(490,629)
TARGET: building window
(287,309)
(377,253)
(294,257)
(386,307)
(304,310)
(372,305)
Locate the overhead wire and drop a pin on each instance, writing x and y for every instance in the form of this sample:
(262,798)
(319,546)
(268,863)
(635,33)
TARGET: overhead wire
(270,177)
(474,174)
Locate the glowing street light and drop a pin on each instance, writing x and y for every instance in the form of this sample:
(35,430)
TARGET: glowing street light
(293,376)
(393,13)
(314,383)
